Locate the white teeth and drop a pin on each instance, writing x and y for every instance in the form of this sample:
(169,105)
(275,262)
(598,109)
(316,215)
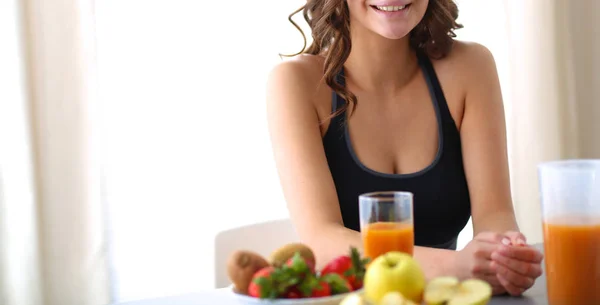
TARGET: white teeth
(390,8)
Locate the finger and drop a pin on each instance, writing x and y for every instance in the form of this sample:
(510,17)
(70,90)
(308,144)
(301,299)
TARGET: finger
(516,238)
(533,270)
(498,290)
(491,279)
(516,279)
(484,251)
(526,254)
(510,288)
(490,237)
(482,267)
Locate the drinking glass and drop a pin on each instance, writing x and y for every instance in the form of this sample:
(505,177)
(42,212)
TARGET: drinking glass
(386,222)
(570,202)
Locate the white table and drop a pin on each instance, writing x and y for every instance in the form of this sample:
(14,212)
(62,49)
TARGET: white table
(534,296)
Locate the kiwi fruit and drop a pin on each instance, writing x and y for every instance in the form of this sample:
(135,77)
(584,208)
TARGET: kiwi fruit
(281,255)
(241,266)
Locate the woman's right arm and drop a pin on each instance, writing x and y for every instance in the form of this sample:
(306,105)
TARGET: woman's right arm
(301,163)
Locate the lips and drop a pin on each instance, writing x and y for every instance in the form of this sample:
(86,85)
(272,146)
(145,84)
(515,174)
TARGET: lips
(391,7)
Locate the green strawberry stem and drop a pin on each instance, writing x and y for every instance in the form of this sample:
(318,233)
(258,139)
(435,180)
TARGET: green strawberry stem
(336,282)
(287,276)
(358,265)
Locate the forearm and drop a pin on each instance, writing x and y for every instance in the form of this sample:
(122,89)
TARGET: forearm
(498,222)
(336,240)
(435,262)
(332,241)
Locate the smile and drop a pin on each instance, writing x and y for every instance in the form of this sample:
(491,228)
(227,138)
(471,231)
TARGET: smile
(391,8)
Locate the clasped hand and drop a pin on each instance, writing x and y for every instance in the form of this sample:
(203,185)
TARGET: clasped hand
(503,260)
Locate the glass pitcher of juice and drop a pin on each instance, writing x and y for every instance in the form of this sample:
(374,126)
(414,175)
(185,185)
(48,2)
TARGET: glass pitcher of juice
(386,222)
(570,193)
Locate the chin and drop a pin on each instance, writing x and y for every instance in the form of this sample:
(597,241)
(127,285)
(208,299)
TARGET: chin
(393,34)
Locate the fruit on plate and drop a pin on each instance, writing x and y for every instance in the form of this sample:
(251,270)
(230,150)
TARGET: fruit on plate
(394,271)
(337,283)
(295,277)
(300,265)
(450,291)
(354,299)
(283,254)
(262,284)
(242,265)
(395,298)
(351,267)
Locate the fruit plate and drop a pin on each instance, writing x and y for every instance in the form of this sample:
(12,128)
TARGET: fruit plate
(332,300)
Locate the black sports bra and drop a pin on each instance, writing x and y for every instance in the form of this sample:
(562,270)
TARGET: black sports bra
(441,196)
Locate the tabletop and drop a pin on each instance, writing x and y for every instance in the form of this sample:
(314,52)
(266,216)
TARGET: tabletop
(534,296)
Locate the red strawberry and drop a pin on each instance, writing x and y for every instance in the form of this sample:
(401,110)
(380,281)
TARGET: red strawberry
(300,265)
(322,290)
(272,283)
(261,284)
(293,293)
(350,267)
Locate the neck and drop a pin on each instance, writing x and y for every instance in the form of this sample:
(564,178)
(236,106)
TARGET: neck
(378,63)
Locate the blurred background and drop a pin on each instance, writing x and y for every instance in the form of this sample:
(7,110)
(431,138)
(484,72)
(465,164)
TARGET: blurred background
(132,132)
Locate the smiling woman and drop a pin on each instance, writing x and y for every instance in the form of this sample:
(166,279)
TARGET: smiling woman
(430,121)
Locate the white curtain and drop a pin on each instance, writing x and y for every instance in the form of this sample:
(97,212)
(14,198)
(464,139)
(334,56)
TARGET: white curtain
(53,249)
(555,93)
(20,275)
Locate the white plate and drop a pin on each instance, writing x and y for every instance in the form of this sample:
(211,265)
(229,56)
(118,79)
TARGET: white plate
(332,300)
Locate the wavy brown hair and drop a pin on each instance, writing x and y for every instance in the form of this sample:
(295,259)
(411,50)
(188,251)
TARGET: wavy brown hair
(329,22)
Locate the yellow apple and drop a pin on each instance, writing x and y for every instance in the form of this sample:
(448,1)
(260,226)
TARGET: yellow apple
(440,290)
(395,298)
(353,299)
(394,272)
(448,290)
(392,298)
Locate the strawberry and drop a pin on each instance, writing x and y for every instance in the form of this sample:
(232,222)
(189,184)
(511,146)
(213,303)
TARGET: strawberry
(337,283)
(261,283)
(271,282)
(293,293)
(350,267)
(322,290)
(300,265)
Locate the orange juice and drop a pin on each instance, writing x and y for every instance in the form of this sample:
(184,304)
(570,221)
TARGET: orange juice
(572,254)
(382,237)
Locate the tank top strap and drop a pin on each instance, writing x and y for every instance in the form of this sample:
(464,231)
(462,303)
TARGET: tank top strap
(337,102)
(435,89)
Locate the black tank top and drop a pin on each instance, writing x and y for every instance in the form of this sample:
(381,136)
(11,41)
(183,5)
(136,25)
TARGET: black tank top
(441,196)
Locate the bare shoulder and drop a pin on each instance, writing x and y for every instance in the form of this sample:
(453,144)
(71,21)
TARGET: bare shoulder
(299,83)
(469,62)
(302,74)
(467,75)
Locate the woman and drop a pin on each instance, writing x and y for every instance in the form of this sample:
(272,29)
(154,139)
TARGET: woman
(384,99)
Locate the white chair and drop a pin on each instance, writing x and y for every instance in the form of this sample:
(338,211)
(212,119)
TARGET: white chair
(262,238)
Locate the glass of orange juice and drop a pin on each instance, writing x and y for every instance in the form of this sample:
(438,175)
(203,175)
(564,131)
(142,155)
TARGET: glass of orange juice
(570,193)
(386,222)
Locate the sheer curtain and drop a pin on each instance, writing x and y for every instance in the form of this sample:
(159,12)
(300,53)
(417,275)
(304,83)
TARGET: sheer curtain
(554,76)
(52,247)
(20,278)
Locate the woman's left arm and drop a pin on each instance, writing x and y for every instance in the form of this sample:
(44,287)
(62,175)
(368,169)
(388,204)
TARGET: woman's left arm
(483,137)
